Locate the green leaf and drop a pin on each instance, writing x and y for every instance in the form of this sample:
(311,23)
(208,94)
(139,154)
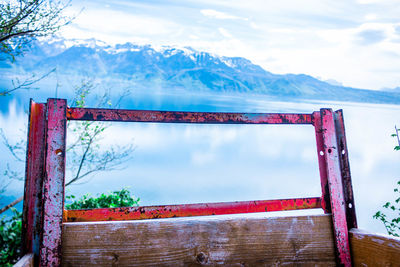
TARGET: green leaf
(115,199)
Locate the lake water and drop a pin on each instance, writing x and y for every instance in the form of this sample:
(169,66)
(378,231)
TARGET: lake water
(182,163)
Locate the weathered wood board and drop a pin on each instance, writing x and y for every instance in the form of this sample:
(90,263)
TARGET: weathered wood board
(374,249)
(196,241)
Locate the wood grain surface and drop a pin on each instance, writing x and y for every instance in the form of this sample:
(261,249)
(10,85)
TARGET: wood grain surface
(373,249)
(197,241)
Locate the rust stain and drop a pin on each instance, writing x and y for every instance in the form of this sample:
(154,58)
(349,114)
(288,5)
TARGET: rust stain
(334,178)
(53,184)
(186,210)
(91,114)
(32,213)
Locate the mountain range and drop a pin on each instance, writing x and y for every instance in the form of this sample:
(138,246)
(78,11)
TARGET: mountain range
(181,68)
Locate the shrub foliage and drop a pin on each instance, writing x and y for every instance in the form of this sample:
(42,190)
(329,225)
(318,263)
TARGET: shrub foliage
(113,199)
(390,216)
(10,238)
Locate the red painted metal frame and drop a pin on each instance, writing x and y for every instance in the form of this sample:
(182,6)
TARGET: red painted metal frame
(32,213)
(335,182)
(187,210)
(49,131)
(96,114)
(345,169)
(326,202)
(53,183)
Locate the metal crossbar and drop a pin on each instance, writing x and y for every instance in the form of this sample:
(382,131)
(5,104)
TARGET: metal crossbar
(97,114)
(45,174)
(188,210)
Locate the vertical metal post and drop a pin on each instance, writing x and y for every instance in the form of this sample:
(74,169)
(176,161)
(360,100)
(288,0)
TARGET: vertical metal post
(334,176)
(345,170)
(326,202)
(53,183)
(32,211)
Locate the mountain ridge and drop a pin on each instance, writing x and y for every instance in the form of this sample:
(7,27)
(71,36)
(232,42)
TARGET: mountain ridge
(171,67)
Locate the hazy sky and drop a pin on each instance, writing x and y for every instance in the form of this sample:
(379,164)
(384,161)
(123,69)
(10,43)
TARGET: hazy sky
(354,42)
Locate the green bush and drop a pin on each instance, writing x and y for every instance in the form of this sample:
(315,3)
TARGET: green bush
(10,238)
(10,229)
(114,199)
(391,217)
(392,224)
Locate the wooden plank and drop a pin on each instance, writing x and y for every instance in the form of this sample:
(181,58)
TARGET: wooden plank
(373,249)
(26,261)
(196,241)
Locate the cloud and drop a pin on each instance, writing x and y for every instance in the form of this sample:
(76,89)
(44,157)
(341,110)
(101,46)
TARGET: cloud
(371,36)
(211,13)
(366,2)
(194,37)
(119,26)
(202,158)
(254,25)
(225,33)
(346,41)
(397,29)
(370,16)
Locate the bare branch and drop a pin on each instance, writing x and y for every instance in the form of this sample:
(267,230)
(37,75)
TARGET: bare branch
(26,84)
(12,204)
(82,161)
(16,149)
(16,34)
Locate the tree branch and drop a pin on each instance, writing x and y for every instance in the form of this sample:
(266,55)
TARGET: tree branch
(81,163)
(26,84)
(16,34)
(12,204)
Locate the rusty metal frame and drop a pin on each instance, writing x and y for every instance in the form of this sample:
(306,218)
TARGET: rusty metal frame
(188,210)
(32,212)
(45,174)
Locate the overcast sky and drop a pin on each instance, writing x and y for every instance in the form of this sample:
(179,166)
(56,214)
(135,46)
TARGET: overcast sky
(356,43)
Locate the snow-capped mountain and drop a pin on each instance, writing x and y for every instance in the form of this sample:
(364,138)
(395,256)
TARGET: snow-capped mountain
(186,68)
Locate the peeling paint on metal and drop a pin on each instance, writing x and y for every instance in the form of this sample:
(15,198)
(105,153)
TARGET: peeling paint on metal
(326,202)
(345,170)
(53,184)
(186,210)
(335,188)
(91,114)
(32,211)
